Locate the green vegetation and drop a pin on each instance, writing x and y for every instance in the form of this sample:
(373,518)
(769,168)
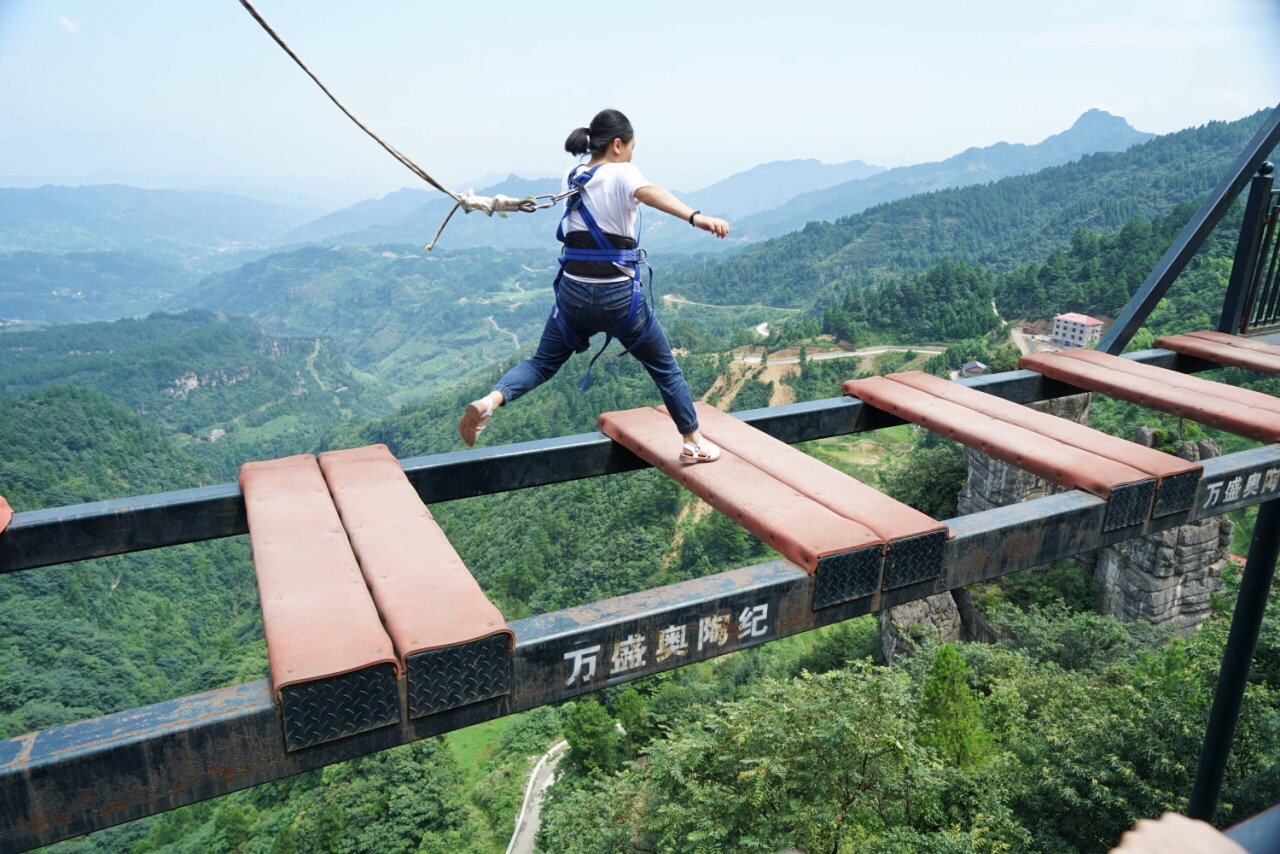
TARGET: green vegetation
(999,226)
(192,373)
(417,322)
(1055,738)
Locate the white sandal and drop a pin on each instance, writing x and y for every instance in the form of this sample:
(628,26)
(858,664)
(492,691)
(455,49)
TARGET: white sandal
(474,419)
(705,451)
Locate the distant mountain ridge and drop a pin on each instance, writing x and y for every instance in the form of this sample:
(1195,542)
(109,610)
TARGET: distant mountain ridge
(1095,131)
(771,184)
(171,224)
(765,201)
(999,225)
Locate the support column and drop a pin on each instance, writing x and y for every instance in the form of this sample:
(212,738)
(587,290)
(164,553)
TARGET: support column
(1236,660)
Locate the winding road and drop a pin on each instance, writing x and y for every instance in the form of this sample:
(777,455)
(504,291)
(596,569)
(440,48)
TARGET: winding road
(754,358)
(529,820)
(514,338)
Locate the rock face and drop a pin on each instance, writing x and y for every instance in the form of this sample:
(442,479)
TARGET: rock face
(1165,577)
(992,483)
(952,616)
(1168,576)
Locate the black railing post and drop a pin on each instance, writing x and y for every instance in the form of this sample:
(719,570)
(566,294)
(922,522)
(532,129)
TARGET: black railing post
(1192,237)
(1246,622)
(1240,290)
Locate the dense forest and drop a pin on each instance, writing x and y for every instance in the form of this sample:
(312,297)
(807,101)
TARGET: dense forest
(1055,738)
(1000,226)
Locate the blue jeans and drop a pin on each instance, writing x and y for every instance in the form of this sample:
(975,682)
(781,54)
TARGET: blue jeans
(589,309)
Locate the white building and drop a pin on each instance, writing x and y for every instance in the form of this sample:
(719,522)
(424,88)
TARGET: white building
(1075,330)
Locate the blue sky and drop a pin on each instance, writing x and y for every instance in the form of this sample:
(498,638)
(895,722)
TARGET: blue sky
(183,93)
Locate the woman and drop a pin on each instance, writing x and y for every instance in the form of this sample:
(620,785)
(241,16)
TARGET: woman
(598,286)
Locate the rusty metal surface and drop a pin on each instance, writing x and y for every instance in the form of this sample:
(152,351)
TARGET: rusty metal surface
(443,679)
(792,524)
(1224,349)
(888,518)
(1045,457)
(1232,394)
(425,595)
(97,773)
(317,615)
(80,532)
(83,531)
(1155,392)
(1156,463)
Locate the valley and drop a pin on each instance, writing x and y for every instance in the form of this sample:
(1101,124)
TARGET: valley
(133,367)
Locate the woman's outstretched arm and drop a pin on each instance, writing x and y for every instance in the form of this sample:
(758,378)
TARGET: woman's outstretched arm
(661,198)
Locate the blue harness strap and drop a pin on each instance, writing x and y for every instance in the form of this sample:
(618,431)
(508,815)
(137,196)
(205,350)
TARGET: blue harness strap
(629,259)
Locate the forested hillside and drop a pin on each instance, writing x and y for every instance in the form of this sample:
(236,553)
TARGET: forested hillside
(1000,226)
(1093,132)
(1054,739)
(100,636)
(81,287)
(177,226)
(195,373)
(416,322)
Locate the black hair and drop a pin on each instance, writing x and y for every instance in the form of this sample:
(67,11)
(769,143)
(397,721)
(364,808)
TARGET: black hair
(607,126)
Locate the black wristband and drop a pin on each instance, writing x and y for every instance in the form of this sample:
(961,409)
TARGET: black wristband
(691,216)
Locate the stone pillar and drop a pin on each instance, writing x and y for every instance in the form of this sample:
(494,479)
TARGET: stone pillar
(1165,577)
(1168,576)
(954,616)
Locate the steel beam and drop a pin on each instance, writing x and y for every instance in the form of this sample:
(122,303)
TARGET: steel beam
(1192,236)
(94,774)
(1241,286)
(64,534)
(1237,658)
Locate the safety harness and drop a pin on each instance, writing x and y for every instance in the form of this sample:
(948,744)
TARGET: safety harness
(627,259)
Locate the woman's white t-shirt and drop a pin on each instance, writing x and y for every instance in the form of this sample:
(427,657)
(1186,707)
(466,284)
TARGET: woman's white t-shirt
(611,196)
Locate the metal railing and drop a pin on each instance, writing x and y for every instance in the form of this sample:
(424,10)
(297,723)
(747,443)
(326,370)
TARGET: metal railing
(97,773)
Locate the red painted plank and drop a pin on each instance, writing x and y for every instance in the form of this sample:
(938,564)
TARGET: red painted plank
(1156,463)
(316,610)
(1052,460)
(887,518)
(6,513)
(1226,350)
(1230,394)
(799,528)
(426,596)
(1235,410)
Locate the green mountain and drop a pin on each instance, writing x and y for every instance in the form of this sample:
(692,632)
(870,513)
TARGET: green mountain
(217,385)
(1095,131)
(417,322)
(771,184)
(1000,225)
(80,287)
(177,226)
(111,634)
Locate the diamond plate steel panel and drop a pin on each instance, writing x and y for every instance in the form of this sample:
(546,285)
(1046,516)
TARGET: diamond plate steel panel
(1129,504)
(442,679)
(851,575)
(328,709)
(914,559)
(1176,493)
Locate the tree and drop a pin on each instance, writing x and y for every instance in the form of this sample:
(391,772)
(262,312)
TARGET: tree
(593,737)
(950,712)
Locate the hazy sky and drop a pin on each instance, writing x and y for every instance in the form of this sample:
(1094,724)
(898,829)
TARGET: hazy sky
(155,90)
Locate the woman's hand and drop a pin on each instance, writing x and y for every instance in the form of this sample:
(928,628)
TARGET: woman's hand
(715,225)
